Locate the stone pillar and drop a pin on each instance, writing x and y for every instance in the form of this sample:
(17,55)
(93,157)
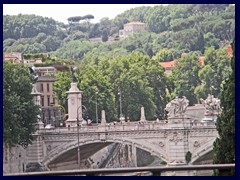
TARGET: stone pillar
(36,95)
(134,155)
(37,101)
(74,105)
(103,119)
(177,144)
(142,119)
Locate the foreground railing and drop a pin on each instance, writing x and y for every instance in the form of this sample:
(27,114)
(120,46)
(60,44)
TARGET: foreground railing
(137,171)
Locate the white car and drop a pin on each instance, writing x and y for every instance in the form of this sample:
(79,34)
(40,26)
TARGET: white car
(49,126)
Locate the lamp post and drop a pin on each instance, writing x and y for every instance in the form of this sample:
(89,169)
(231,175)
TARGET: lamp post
(78,136)
(120,99)
(96,107)
(61,110)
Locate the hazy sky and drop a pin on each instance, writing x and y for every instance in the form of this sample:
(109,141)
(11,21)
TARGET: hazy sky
(60,12)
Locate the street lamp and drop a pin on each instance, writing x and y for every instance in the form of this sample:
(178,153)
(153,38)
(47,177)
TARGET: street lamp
(120,99)
(78,136)
(96,107)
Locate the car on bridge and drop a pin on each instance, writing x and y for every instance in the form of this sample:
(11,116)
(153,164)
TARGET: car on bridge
(49,126)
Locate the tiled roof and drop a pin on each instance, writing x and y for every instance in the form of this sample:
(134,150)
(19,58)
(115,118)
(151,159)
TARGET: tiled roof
(201,60)
(166,65)
(229,49)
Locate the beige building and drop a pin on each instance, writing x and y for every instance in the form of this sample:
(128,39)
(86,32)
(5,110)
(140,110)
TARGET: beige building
(50,114)
(13,57)
(45,85)
(32,61)
(132,28)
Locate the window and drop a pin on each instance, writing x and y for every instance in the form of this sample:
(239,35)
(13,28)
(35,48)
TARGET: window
(42,100)
(41,88)
(47,87)
(48,100)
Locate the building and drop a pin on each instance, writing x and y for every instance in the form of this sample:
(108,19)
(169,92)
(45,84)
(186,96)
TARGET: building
(32,61)
(168,66)
(171,64)
(13,57)
(132,28)
(50,113)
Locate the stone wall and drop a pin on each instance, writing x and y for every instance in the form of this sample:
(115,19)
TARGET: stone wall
(14,159)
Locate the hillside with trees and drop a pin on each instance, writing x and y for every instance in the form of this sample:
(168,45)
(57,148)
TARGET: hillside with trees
(178,28)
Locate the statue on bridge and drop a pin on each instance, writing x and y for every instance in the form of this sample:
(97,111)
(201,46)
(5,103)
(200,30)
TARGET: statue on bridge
(212,105)
(177,107)
(72,71)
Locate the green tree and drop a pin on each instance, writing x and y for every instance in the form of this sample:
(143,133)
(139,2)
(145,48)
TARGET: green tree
(104,35)
(61,86)
(19,111)
(224,145)
(164,55)
(216,68)
(185,77)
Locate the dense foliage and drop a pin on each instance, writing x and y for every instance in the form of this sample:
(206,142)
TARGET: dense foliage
(19,111)
(224,145)
(140,80)
(179,28)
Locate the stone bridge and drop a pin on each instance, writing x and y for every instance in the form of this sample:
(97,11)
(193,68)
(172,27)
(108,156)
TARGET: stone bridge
(168,140)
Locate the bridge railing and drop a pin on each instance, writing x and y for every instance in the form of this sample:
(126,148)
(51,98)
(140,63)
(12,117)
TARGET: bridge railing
(132,126)
(137,171)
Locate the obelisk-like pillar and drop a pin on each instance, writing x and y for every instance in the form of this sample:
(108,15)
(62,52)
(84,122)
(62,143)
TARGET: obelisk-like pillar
(103,120)
(142,119)
(74,105)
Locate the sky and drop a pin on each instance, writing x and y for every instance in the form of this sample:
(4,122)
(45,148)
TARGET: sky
(60,12)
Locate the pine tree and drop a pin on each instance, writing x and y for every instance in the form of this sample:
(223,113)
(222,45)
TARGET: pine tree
(224,145)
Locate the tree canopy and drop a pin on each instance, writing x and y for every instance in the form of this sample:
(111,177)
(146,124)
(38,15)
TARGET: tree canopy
(19,111)
(224,145)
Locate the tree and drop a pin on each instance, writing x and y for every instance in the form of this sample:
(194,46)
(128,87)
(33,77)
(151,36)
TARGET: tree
(185,77)
(74,19)
(19,111)
(61,86)
(224,145)
(216,68)
(164,55)
(104,35)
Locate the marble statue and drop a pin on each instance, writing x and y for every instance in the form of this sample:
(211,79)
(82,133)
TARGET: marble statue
(177,106)
(212,105)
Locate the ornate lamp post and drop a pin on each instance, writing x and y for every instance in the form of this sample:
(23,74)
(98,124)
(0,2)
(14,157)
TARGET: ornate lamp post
(96,107)
(120,101)
(78,136)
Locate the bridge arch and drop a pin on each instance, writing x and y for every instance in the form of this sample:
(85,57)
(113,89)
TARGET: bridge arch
(74,144)
(200,152)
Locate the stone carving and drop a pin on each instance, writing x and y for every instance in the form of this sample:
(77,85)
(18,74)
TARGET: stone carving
(212,105)
(177,107)
(174,138)
(161,144)
(196,144)
(49,147)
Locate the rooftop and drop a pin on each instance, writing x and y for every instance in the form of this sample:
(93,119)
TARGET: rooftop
(134,23)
